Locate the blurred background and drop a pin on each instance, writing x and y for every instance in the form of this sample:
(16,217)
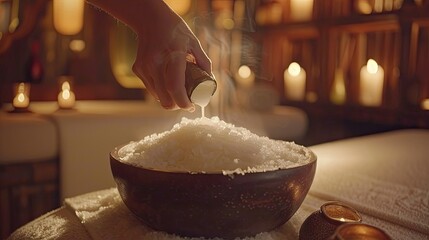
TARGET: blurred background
(251,43)
(309,71)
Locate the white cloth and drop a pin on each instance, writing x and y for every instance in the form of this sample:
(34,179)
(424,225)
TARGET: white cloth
(102,215)
(105,216)
(383,175)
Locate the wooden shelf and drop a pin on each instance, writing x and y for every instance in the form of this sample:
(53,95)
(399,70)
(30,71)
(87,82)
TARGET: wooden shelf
(396,38)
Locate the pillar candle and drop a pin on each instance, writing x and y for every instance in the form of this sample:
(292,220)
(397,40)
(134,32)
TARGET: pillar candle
(22,98)
(294,82)
(66,98)
(371,84)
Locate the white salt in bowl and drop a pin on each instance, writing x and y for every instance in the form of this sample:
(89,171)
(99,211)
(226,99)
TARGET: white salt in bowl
(205,201)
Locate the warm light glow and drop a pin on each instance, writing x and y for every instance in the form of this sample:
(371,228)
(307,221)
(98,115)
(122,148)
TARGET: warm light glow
(244,77)
(181,7)
(21,99)
(295,78)
(371,84)
(425,104)
(66,97)
(68,16)
(65,86)
(294,69)
(338,90)
(77,45)
(378,6)
(244,71)
(301,10)
(228,23)
(372,66)
(122,53)
(363,7)
(65,94)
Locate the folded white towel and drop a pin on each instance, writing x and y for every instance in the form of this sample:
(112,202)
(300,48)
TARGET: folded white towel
(60,224)
(405,206)
(102,215)
(106,217)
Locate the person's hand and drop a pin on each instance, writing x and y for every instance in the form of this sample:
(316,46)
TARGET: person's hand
(164,42)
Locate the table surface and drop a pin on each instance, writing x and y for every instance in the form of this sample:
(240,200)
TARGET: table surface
(384,176)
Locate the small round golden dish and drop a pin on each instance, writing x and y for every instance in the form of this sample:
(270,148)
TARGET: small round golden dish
(359,231)
(323,223)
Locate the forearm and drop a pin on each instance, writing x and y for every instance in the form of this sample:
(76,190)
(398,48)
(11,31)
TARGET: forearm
(137,14)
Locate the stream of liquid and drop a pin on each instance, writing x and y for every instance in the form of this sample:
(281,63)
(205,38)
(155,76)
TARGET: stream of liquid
(202,94)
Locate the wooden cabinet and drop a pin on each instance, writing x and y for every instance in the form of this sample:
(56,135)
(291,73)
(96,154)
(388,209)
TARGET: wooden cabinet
(27,190)
(332,44)
(337,42)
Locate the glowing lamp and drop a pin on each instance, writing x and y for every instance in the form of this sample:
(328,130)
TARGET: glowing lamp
(68,16)
(425,104)
(301,10)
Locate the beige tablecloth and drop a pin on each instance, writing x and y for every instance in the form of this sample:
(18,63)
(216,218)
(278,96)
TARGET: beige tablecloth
(385,176)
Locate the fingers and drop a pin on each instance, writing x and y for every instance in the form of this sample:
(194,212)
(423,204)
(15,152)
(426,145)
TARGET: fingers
(162,66)
(143,74)
(174,77)
(149,68)
(203,61)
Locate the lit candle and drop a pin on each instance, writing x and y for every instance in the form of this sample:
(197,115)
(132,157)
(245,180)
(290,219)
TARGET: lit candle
(245,77)
(371,84)
(66,98)
(294,82)
(21,99)
(301,10)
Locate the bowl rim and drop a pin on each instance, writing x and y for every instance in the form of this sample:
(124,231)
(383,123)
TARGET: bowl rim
(115,156)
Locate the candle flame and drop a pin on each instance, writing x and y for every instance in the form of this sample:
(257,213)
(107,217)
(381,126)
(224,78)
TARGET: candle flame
(65,86)
(244,71)
(372,66)
(65,94)
(20,97)
(294,69)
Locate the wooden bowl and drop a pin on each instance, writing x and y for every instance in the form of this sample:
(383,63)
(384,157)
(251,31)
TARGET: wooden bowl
(212,204)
